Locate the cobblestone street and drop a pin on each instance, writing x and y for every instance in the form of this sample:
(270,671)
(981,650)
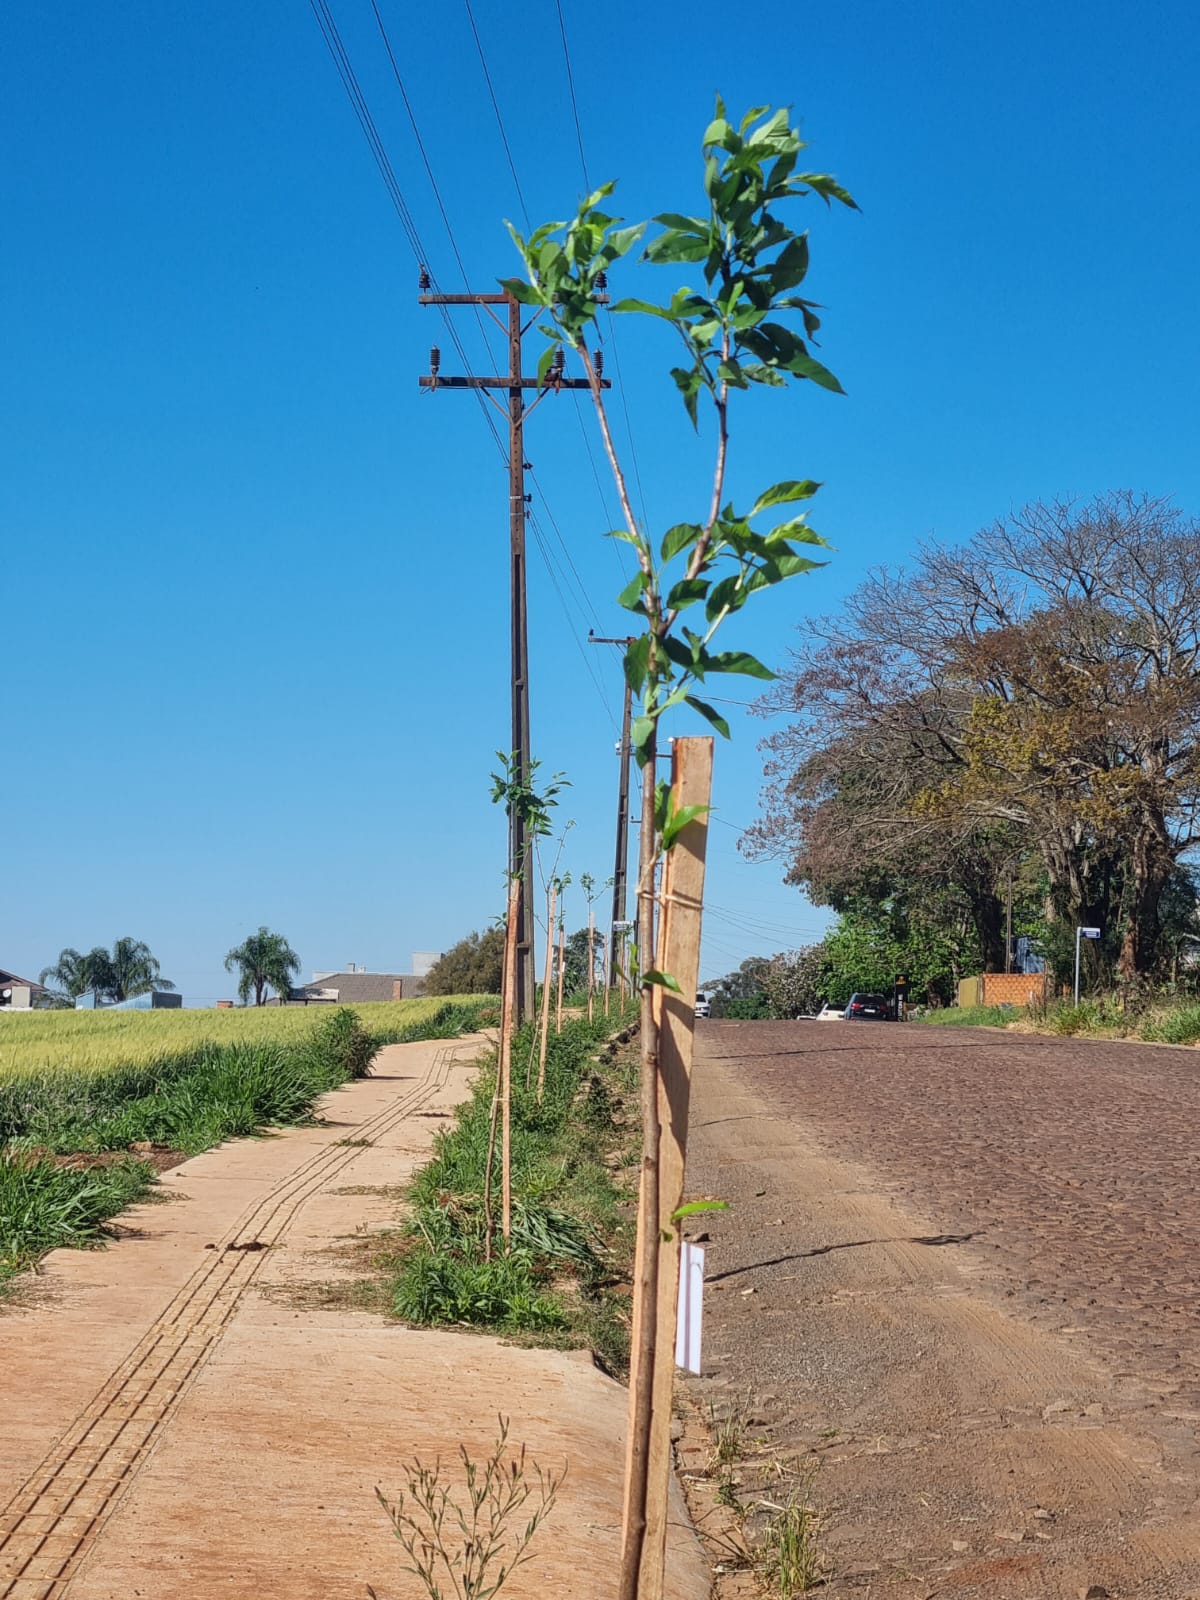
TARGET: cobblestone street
(1073,1163)
(958,1282)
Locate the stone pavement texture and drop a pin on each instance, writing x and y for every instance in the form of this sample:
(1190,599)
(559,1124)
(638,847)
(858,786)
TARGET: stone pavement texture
(1072,1163)
(958,1280)
(181,1416)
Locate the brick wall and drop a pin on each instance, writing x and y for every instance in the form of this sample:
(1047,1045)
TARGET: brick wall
(1017,988)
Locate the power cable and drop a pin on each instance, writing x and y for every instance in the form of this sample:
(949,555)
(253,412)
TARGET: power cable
(433,183)
(512,166)
(562,28)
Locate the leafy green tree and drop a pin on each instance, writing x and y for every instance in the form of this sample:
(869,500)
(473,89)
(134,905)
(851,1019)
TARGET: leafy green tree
(472,966)
(796,982)
(72,974)
(264,960)
(128,969)
(575,959)
(743,985)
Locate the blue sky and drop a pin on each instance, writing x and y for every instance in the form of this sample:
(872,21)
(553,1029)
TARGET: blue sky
(254,617)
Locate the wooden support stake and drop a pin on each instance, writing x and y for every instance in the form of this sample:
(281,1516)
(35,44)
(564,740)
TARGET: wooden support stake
(678,954)
(562,965)
(591,958)
(504,1071)
(547,978)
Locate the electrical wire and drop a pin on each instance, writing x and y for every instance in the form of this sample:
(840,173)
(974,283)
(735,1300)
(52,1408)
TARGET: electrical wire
(512,166)
(487,331)
(562,28)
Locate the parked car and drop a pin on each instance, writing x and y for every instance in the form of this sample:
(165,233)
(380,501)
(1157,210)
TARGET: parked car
(869,1008)
(703,1006)
(831,1013)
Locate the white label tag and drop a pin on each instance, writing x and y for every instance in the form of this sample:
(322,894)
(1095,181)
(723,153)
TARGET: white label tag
(690,1313)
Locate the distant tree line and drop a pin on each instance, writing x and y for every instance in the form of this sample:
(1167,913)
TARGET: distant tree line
(1023,710)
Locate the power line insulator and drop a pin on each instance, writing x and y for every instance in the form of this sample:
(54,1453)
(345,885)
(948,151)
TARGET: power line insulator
(602,281)
(435,361)
(598,360)
(424,283)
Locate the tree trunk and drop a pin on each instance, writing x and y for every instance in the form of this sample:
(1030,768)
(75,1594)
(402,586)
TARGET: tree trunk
(987,913)
(1150,868)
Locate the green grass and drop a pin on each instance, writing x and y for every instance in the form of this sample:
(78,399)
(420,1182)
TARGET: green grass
(972,1016)
(186,1101)
(570,1239)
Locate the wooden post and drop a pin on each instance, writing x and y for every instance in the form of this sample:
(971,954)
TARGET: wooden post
(678,954)
(607,973)
(591,959)
(562,963)
(547,976)
(502,1099)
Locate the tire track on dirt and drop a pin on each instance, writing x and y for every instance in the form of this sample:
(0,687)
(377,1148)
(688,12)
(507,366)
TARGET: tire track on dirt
(48,1525)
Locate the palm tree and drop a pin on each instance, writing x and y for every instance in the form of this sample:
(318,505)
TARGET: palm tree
(132,969)
(264,960)
(70,975)
(129,968)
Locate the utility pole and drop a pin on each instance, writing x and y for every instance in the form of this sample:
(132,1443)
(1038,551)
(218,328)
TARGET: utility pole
(621,864)
(516,411)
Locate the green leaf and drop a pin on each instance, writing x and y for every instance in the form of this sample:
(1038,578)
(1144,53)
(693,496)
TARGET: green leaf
(782,493)
(637,662)
(710,715)
(527,293)
(729,595)
(737,661)
(828,188)
(647,307)
(664,980)
(686,592)
(791,265)
(681,537)
(677,246)
(797,528)
(730,372)
(631,595)
(696,1208)
(806,367)
(677,821)
(689,382)
(621,241)
(672,219)
(640,730)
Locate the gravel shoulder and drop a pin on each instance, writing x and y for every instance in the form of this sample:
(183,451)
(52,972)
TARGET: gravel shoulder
(957,1283)
(192,1413)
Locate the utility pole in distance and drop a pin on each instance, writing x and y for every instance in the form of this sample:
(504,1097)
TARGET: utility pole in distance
(516,411)
(621,864)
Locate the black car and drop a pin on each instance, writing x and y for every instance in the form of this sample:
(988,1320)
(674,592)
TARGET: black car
(870,1008)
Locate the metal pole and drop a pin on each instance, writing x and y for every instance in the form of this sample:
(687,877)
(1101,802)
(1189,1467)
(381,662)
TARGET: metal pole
(520,659)
(1078,932)
(1008,927)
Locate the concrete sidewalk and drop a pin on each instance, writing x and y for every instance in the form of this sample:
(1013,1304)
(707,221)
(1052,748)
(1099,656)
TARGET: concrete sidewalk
(177,1420)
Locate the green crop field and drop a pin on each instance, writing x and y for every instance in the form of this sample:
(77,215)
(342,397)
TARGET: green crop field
(105,1041)
(78,1086)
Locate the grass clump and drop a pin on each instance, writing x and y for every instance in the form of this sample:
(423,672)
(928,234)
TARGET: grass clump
(44,1204)
(560,1275)
(972,1016)
(1179,1025)
(790,1560)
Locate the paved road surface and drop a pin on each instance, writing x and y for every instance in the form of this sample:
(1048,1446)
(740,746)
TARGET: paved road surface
(983,1249)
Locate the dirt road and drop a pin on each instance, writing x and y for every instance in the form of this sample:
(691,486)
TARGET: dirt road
(962,1273)
(191,1413)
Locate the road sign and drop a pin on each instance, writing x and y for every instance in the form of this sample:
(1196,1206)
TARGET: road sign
(1090,933)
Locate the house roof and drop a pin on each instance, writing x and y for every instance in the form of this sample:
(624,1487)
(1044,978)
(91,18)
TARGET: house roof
(7,978)
(365,986)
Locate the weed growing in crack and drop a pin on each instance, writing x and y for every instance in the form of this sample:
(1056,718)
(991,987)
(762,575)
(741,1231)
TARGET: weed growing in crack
(790,1559)
(474,1538)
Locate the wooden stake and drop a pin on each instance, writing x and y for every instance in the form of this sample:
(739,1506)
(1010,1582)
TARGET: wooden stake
(502,1097)
(678,953)
(562,964)
(591,959)
(551,898)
